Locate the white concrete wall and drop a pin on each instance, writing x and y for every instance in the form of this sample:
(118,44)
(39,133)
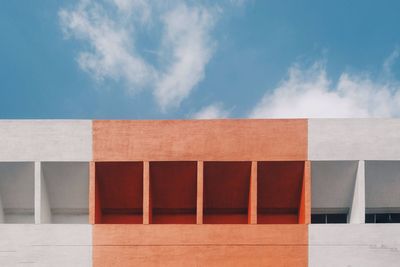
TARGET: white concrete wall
(45,140)
(354,245)
(354,139)
(45,245)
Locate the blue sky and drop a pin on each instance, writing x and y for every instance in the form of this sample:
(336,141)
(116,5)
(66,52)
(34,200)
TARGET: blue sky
(136,59)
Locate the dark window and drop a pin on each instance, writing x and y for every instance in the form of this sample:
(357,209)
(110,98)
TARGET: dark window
(329,218)
(370,218)
(382,218)
(395,217)
(336,218)
(318,218)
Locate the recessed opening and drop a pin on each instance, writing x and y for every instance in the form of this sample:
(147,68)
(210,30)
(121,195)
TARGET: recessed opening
(279,188)
(120,190)
(65,192)
(333,185)
(226,192)
(17,192)
(173,192)
(382,187)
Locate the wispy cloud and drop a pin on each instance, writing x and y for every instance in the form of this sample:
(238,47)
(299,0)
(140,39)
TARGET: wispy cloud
(188,43)
(111,29)
(308,92)
(213,111)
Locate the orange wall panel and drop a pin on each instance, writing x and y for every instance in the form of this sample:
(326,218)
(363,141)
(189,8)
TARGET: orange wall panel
(200,245)
(200,140)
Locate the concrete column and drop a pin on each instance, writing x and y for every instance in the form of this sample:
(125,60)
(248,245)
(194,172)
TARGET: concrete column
(147,210)
(199,209)
(42,205)
(253,194)
(305,200)
(94,209)
(357,210)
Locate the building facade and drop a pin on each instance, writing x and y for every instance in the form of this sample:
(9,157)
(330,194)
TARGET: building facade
(295,192)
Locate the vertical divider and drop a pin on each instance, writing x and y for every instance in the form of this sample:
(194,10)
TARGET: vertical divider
(147,210)
(38,177)
(252,213)
(41,203)
(94,208)
(305,200)
(200,195)
(1,212)
(357,210)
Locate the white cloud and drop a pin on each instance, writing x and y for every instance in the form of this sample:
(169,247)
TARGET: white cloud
(187,40)
(110,28)
(310,93)
(111,54)
(213,111)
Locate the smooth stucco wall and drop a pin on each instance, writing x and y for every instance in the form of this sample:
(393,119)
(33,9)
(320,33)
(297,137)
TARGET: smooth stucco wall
(45,140)
(45,245)
(354,139)
(354,245)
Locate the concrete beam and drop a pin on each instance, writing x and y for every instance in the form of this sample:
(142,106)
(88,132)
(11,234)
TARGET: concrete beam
(45,140)
(353,139)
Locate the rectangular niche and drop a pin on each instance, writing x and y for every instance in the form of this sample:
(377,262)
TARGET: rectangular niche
(333,185)
(65,192)
(226,192)
(279,189)
(17,180)
(119,192)
(173,191)
(382,187)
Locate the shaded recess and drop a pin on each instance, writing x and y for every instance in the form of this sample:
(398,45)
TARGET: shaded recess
(332,190)
(279,191)
(119,188)
(226,192)
(382,187)
(173,192)
(17,192)
(65,192)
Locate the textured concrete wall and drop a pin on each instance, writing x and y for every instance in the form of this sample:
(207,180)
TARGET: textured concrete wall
(354,139)
(354,245)
(45,245)
(41,140)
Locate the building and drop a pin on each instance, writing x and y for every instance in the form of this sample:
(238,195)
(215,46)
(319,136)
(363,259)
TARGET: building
(317,192)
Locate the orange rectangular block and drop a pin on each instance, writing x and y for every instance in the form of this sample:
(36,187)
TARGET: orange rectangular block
(212,140)
(200,245)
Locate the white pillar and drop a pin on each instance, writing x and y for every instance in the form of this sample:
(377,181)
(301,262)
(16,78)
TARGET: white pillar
(357,210)
(42,206)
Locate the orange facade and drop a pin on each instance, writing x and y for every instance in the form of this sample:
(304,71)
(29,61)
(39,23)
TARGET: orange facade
(202,193)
